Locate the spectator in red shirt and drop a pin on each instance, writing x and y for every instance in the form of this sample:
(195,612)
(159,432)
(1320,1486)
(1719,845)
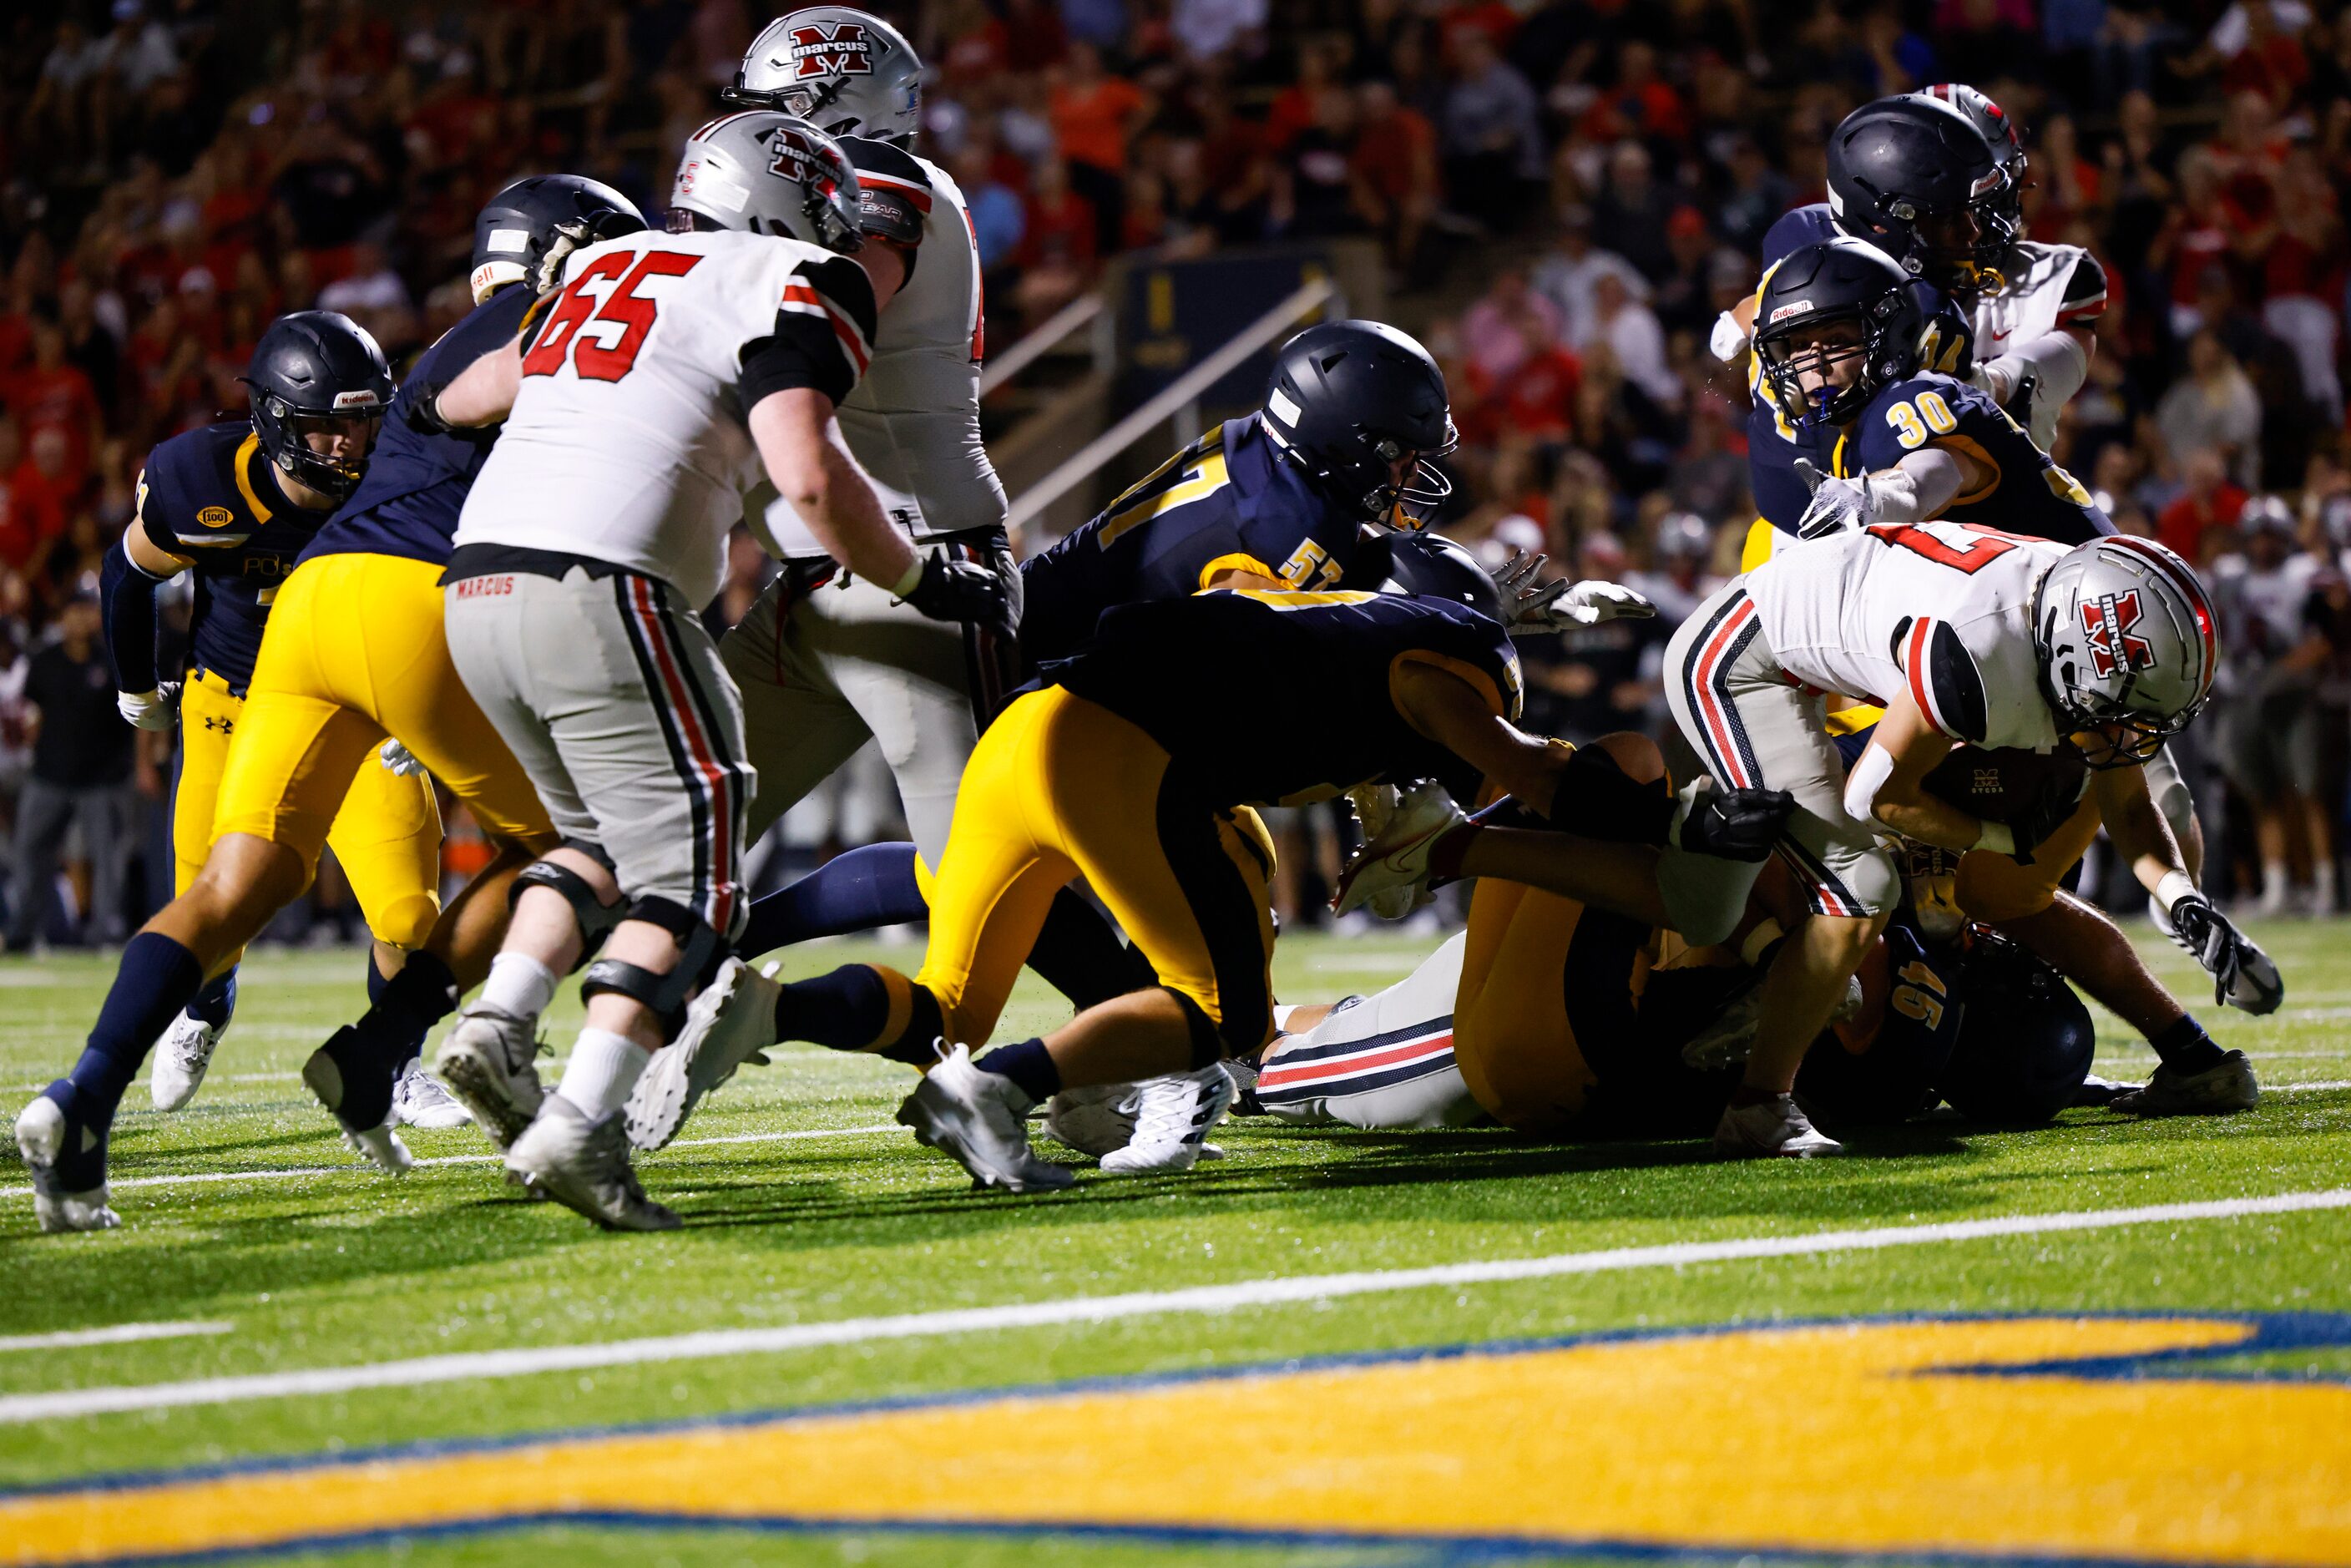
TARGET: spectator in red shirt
(42,493)
(53,394)
(1640,104)
(2204,518)
(1393,168)
(1057,244)
(1093,114)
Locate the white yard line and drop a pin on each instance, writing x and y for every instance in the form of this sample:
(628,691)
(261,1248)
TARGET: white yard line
(118,1333)
(289,1173)
(726,1343)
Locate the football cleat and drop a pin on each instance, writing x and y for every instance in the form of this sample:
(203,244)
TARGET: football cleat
(1399,857)
(730,1023)
(1173,1117)
(181,1057)
(2256,987)
(1771,1129)
(418,1101)
(980,1119)
(1096,1120)
(43,1132)
(488,1062)
(584,1165)
(379,1146)
(2226,1086)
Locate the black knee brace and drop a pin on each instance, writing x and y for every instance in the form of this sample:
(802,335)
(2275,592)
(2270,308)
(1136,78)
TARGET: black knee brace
(1208,1044)
(700,951)
(595,919)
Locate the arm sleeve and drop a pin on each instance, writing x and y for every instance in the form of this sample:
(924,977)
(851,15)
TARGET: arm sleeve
(823,336)
(127,597)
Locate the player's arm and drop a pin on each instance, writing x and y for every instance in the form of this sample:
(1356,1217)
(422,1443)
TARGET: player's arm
(482,396)
(2141,834)
(2058,361)
(135,567)
(793,426)
(1449,710)
(1887,785)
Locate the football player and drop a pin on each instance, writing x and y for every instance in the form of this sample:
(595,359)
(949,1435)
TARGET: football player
(1132,763)
(234,503)
(361,607)
(670,375)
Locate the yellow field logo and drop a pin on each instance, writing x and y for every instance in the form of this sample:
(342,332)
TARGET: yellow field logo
(2114,1439)
(215,517)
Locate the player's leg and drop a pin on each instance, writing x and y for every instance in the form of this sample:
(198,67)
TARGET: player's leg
(1381,1061)
(208,716)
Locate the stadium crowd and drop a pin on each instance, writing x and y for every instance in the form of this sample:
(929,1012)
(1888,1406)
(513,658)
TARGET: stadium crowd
(1566,194)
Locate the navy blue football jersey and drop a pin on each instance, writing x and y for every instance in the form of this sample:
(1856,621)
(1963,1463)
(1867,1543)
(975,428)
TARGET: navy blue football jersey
(2028,493)
(1226,501)
(1266,698)
(1774,442)
(1882,1067)
(211,497)
(415,485)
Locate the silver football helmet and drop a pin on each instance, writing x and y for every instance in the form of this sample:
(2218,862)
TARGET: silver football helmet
(768,174)
(846,72)
(2123,634)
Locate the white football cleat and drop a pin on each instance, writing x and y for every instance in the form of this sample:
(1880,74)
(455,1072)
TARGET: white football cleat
(487,1061)
(728,1024)
(1173,1117)
(980,1119)
(584,1165)
(1398,858)
(181,1057)
(40,1138)
(2225,1087)
(2256,988)
(1775,1128)
(418,1101)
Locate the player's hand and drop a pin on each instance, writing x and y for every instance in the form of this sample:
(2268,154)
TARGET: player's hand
(1536,606)
(158,709)
(2052,807)
(398,759)
(1838,505)
(2212,940)
(1729,824)
(963,591)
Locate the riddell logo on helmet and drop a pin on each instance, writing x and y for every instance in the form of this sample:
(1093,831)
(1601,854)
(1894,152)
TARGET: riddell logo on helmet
(2106,631)
(834,49)
(1798,308)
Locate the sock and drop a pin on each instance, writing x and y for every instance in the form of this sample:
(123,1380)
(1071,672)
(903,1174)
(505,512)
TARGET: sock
(1030,1066)
(155,979)
(850,1009)
(2275,879)
(859,890)
(216,1003)
(1079,953)
(2186,1047)
(403,1006)
(410,1046)
(604,1067)
(518,985)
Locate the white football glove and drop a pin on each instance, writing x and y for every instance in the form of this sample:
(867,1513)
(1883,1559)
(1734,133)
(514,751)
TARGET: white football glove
(1537,607)
(158,709)
(1375,806)
(1837,506)
(398,759)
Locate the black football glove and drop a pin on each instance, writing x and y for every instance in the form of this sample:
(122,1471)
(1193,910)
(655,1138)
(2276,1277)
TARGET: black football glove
(2052,807)
(963,591)
(2210,939)
(422,415)
(1732,824)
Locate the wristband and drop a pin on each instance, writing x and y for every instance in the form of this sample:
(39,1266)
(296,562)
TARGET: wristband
(2174,886)
(907,584)
(1997,837)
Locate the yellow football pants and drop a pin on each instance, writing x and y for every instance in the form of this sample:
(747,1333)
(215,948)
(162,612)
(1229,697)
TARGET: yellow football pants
(386,832)
(354,654)
(1060,788)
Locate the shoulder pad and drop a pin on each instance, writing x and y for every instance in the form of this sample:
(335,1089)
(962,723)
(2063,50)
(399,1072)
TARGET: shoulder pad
(1945,682)
(2084,299)
(1798,226)
(893,190)
(190,498)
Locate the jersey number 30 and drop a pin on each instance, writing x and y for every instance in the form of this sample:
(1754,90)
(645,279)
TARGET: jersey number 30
(595,360)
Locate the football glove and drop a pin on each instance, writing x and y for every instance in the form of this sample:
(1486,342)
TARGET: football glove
(1537,607)
(2213,941)
(962,591)
(1837,506)
(158,709)
(1729,824)
(398,759)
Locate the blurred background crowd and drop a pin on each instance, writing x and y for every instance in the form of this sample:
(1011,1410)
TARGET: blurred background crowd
(1563,193)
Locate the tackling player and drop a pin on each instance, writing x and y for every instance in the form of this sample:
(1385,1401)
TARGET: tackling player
(234,503)
(671,373)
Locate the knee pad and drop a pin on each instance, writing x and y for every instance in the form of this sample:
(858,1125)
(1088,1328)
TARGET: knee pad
(408,922)
(700,951)
(1208,1042)
(595,919)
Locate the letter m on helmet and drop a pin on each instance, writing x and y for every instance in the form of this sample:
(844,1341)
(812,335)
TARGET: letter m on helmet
(831,48)
(2106,625)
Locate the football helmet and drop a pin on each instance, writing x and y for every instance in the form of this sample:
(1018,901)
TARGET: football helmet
(2025,1040)
(1430,565)
(2007,203)
(1831,281)
(768,174)
(528,229)
(1348,401)
(847,72)
(1903,163)
(314,369)
(2123,634)
(1684,536)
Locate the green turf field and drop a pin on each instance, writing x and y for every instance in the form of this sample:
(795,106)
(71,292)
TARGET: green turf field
(1679,1401)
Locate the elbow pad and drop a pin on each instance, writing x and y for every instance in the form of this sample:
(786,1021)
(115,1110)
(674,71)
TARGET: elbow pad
(126,595)
(1861,786)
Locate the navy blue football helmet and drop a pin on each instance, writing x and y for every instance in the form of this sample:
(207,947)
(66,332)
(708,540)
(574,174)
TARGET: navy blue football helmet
(2025,1041)
(1832,281)
(312,370)
(1903,170)
(526,230)
(1348,401)
(1430,565)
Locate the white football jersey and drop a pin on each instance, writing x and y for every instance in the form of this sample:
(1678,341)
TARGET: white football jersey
(2053,285)
(1942,609)
(913,423)
(627,442)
